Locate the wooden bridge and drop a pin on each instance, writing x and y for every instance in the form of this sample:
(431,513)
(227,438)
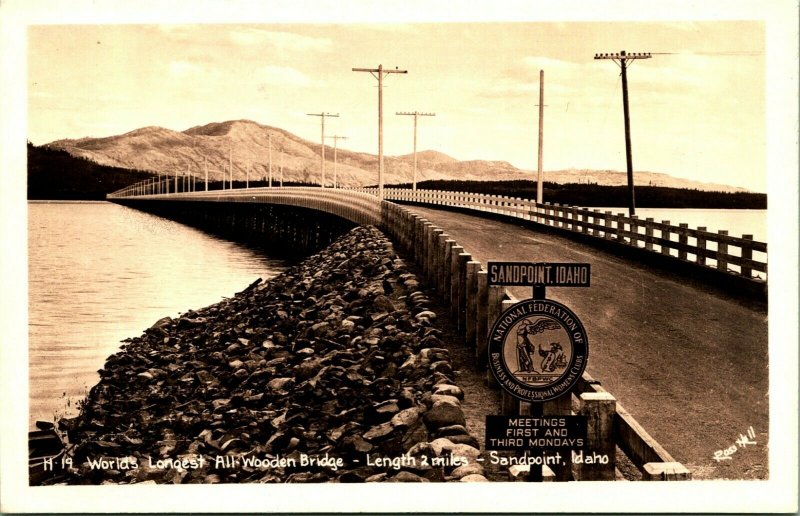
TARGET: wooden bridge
(676,315)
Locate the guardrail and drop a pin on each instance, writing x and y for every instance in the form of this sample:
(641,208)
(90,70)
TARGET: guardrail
(742,256)
(361,208)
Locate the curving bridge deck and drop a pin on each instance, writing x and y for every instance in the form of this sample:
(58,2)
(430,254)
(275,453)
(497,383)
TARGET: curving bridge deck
(688,360)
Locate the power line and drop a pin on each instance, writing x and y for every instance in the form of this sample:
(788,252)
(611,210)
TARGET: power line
(322,154)
(733,53)
(335,139)
(539,194)
(379,73)
(415,114)
(621,59)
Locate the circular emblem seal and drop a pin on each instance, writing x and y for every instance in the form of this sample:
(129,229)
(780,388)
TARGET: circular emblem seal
(538,350)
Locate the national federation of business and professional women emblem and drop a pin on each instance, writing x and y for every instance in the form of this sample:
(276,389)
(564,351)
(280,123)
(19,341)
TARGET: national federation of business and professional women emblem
(538,350)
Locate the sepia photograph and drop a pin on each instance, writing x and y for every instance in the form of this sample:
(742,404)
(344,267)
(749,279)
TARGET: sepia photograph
(252,253)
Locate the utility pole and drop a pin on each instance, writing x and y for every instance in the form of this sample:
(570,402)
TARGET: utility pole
(230,167)
(539,195)
(622,61)
(335,139)
(378,73)
(270,159)
(415,114)
(322,153)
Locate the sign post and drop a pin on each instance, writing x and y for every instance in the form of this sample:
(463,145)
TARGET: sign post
(538,350)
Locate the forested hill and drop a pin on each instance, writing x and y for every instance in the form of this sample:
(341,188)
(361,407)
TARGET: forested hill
(592,195)
(55,174)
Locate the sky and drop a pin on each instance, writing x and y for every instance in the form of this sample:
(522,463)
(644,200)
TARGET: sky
(697,107)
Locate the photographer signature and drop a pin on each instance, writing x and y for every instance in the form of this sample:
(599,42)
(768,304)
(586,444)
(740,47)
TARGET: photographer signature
(742,442)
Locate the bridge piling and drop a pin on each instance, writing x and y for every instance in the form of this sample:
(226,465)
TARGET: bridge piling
(447,277)
(455,251)
(481,316)
(441,244)
(600,410)
(471,323)
(463,259)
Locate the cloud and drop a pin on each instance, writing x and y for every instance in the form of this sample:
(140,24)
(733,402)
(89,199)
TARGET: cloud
(283,76)
(522,79)
(284,41)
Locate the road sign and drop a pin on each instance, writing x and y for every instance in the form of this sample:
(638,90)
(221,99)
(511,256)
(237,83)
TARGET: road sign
(535,433)
(528,274)
(538,350)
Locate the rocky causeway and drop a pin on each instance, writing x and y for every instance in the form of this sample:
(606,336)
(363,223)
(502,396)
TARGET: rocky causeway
(334,371)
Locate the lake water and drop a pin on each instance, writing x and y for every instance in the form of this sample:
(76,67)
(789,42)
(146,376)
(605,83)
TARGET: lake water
(736,222)
(100,273)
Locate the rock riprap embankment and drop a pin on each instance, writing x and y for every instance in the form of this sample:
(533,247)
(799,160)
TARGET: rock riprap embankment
(332,371)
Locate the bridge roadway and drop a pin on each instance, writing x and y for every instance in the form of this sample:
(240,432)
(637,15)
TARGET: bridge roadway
(690,364)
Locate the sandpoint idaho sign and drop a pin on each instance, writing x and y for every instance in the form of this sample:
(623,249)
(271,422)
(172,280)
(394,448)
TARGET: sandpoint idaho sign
(544,274)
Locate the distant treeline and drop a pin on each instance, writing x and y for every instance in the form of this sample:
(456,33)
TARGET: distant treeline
(593,195)
(56,174)
(217,185)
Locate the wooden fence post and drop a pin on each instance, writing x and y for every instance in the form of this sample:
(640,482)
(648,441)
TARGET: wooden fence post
(683,240)
(454,252)
(461,316)
(433,241)
(446,267)
(722,252)
(665,236)
(665,471)
(633,227)
(648,233)
(427,227)
(441,238)
(700,257)
(747,254)
(599,408)
(470,332)
(481,331)
(608,226)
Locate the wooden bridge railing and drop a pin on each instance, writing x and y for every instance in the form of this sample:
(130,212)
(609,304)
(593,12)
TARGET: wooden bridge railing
(361,208)
(736,255)
(741,256)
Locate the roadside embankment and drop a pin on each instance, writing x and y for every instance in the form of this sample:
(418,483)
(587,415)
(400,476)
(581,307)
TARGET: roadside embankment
(333,371)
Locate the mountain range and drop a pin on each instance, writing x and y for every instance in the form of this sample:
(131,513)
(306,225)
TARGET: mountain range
(246,146)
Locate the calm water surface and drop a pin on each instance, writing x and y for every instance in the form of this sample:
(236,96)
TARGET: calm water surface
(100,273)
(736,222)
